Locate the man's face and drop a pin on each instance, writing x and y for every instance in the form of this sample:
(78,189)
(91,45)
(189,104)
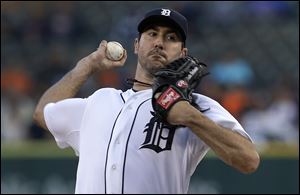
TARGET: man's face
(158,46)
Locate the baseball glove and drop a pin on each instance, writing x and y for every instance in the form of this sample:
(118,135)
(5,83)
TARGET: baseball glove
(176,82)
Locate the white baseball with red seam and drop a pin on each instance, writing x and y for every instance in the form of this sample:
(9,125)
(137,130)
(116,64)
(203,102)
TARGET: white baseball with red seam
(114,51)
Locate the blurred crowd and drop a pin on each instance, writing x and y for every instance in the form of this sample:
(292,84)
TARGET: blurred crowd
(251,47)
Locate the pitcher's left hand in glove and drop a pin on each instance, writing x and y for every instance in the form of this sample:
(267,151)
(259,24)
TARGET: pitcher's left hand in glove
(175,83)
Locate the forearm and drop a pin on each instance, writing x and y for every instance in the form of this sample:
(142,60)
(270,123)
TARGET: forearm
(70,84)
(234,149)
(65,88)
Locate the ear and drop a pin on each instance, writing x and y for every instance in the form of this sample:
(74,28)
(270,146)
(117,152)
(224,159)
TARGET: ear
(136,45)
(184,52)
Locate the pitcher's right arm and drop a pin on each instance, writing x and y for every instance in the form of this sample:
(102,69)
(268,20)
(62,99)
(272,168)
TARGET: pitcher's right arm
(70,84)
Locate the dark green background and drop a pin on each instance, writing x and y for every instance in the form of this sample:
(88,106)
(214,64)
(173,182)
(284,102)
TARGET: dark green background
(57,175)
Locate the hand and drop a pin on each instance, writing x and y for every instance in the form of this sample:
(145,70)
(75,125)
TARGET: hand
(98,60)
(174,83)
(180,113)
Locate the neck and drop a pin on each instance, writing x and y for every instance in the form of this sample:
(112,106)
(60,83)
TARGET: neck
(139,87)
(142,79)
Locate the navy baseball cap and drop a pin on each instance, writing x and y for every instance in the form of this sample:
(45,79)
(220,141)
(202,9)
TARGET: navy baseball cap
(166,16)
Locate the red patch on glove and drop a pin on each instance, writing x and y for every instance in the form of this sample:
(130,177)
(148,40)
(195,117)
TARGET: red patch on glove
(167,98)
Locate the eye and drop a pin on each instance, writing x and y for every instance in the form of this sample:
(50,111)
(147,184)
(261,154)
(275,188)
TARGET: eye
(172,37)
(152,33)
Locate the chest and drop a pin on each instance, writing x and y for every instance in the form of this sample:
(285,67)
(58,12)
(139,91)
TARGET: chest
(131,126)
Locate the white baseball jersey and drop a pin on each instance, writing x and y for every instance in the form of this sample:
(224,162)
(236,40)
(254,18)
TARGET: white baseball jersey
(123,148)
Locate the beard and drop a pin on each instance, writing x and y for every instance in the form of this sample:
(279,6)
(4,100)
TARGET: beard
(152,67)
(153,61)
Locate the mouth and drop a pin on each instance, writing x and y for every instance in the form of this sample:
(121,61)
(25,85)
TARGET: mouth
(157,59)
(157,55)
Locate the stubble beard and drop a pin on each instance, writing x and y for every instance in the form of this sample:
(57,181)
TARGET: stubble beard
(151,67)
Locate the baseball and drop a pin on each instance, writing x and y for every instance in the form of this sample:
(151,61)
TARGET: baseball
(114,51)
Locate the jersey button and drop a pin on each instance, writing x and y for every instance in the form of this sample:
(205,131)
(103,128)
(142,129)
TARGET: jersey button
(113,167)
(129,107)
(118,142)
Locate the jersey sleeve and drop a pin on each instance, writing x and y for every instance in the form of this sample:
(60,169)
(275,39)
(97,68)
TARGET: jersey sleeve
(63,120)
(215,112)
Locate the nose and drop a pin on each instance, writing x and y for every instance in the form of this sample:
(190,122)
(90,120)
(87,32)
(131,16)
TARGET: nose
(158,43)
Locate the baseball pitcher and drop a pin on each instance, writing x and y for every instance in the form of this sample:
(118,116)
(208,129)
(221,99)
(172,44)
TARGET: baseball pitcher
(151,137)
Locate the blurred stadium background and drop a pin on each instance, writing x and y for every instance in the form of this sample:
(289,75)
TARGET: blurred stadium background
(251,47)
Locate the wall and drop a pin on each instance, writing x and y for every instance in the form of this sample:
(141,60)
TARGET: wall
(57,175)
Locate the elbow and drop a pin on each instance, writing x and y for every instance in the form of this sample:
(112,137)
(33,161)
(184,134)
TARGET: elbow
(250,163)
(38,117)
(35,116)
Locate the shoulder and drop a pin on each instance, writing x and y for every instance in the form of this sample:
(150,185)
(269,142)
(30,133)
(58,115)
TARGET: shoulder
(217,113)
(111,94)
(211,107)
(107,91)
(205,102)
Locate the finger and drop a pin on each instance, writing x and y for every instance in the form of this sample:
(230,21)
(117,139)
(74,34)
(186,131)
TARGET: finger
(124,56)
(100,52)
(102,45)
